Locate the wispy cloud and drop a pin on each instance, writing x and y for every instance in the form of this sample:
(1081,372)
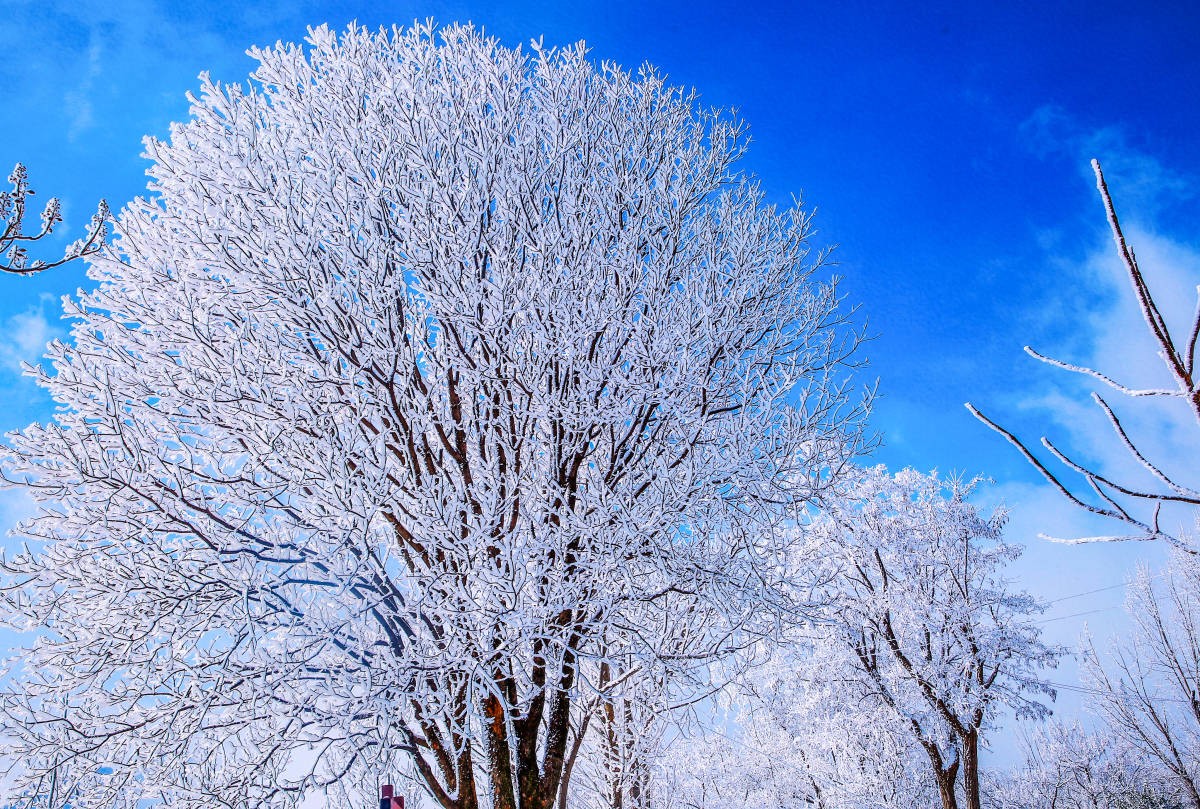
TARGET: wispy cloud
(78,100)
(1111,336)
(1093,320)
(26,334)
(1146,184)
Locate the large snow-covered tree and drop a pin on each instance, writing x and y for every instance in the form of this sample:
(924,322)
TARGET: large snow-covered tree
(432,379)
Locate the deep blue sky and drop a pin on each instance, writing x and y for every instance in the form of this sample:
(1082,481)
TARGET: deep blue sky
(945,148)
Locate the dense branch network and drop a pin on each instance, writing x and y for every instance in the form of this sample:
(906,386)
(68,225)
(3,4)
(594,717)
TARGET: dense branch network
(437,390)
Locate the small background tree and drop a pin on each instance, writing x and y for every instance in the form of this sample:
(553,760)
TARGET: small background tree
(881,691)
(932,632)
(1149,690)
(1067,767)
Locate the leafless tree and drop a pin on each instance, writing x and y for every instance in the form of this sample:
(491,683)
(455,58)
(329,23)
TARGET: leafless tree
(1150,693)
(935,634)
(433,376)
(1067,767)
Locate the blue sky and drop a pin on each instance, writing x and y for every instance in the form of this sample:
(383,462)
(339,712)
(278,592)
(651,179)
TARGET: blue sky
(945,149)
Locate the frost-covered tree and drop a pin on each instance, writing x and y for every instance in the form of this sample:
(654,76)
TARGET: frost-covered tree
(1137,504)
(617,742)
(910,649)
(14,242)
(1067,767)
(932,631)
(796,741)
(431,377)
(1149,692)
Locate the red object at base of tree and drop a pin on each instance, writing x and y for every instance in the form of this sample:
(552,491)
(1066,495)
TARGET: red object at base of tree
(387,799)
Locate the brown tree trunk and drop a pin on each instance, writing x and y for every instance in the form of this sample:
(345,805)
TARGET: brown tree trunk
(498,754)
(943,775)
(1193,793)
(522,781)
(612,748)
(639,793)
(970,762)
(448,767)
(945,781)
(564,783)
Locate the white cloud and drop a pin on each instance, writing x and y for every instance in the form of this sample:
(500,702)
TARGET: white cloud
(78,101)
(1092,319)
(26,335)
(1111,336)
(1121,338)
(1146,184)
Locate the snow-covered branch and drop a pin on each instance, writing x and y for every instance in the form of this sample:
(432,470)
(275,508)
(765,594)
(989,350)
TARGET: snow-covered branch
(14,241)
(1123,501)
(433,380)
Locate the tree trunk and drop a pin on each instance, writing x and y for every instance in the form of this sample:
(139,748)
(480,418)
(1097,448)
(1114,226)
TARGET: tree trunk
(970,762)
(496,744)
(612,747)
(943,775)
(564,783)
(945,781)
(1193,793)
(639,776)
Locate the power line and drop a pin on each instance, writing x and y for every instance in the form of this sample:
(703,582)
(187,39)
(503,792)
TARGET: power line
(1087,593)
(1096,692)
(1074,615)
(1158,575)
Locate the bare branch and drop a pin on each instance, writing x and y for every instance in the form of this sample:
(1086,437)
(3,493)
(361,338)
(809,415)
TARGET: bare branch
(1192,338)
(1108,492)
(1037,464)
(1078,369)
(1150,312)
(1185,494)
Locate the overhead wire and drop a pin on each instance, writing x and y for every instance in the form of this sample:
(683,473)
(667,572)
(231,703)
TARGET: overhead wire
(1075,615)
(1158,575)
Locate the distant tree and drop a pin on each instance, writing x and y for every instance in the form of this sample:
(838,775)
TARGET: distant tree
(434,377)
(14,251)
(932,633)
(1138,507)
(800,739)
(617,742)
(803,763)
(1150,691)
(882,699)
(1067,767)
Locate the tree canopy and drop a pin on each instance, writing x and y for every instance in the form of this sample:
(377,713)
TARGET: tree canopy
(432,379)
